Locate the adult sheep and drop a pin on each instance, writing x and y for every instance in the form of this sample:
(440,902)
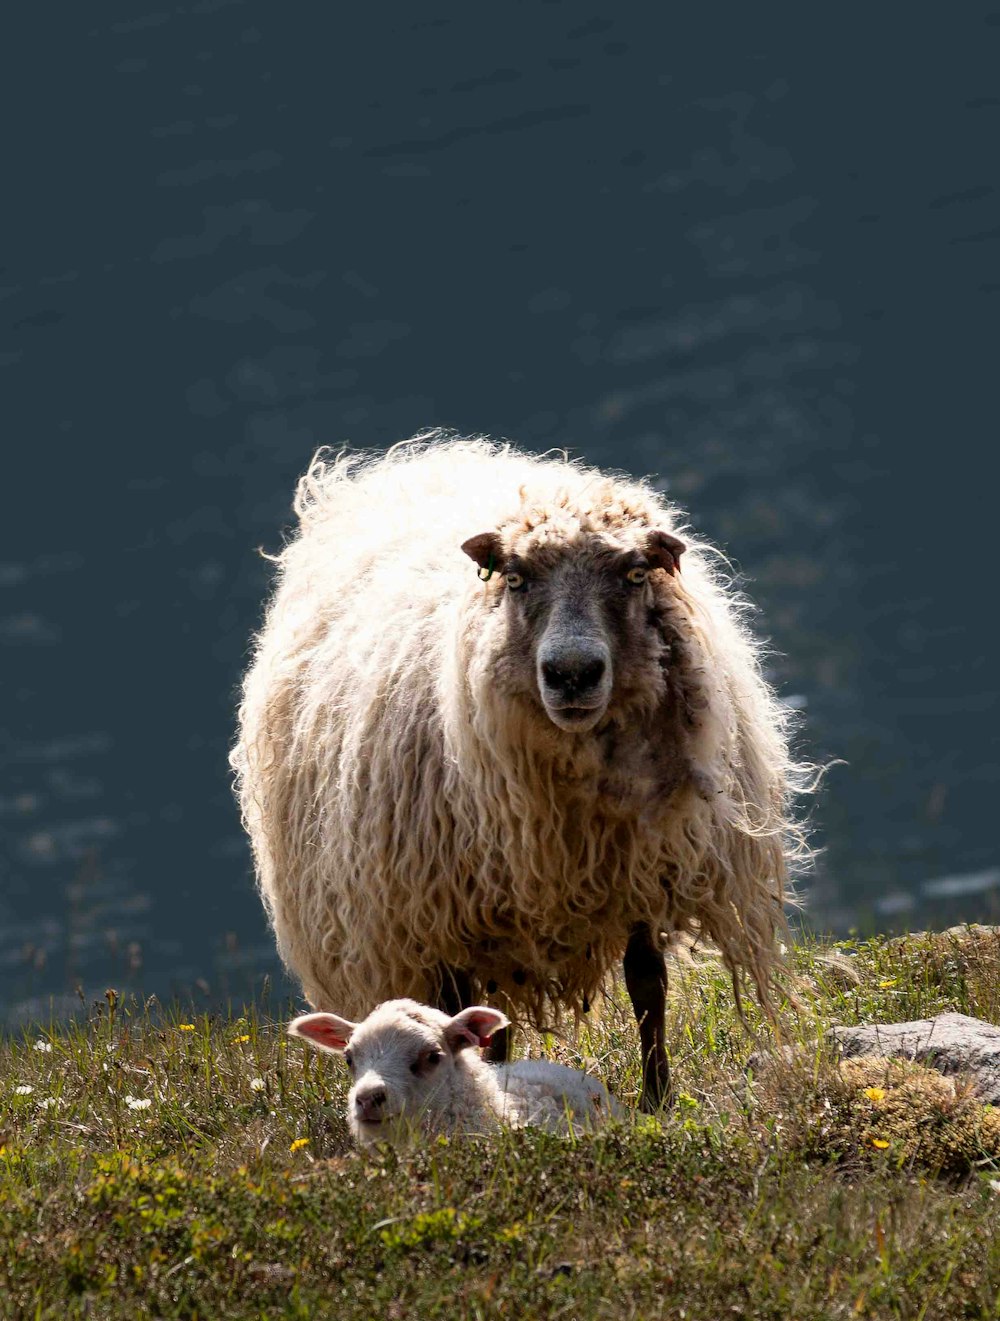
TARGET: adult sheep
(497,779)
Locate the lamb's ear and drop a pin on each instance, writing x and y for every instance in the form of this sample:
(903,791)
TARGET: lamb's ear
(326,1031)
(664,551)
(474,1027)
(487,551)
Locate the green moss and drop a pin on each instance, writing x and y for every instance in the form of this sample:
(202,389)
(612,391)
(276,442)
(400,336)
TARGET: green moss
(876,1110)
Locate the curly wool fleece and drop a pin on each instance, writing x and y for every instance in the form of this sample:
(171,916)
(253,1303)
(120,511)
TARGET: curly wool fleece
(409,813)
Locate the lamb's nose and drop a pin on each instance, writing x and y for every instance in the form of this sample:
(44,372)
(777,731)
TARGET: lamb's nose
(369,1104)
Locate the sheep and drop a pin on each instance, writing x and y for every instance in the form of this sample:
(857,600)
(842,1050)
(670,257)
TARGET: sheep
(414,1069)
(492,781)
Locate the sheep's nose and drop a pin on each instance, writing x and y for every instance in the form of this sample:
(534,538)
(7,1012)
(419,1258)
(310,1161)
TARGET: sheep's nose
(573,674)
(370,1103)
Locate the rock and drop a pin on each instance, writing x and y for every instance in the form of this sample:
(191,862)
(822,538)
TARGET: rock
(964,932)
(950,1043)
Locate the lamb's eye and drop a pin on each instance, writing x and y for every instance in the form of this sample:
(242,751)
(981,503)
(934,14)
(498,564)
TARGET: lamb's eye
(515,582)
(349,1060)
(425,1062)
(637,576)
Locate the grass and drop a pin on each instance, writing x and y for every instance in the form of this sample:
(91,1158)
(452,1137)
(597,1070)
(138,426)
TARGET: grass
(235,1192)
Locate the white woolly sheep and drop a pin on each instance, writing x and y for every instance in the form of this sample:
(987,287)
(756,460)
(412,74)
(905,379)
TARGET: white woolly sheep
(493,781)
(416,1069)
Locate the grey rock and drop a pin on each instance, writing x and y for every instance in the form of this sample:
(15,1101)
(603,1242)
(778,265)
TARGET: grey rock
(964,932)
(951,1043)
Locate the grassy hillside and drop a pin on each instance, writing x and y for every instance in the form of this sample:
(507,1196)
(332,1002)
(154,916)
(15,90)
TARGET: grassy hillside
(202,1168)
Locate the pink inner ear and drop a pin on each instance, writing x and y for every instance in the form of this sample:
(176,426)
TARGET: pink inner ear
(476,1025)
(324,1030)
(471,1037)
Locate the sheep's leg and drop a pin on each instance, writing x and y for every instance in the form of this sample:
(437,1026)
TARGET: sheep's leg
(455,994)
(454,991)
(498,1051)
(646,980)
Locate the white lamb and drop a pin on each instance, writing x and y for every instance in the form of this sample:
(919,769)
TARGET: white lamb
(414,1068)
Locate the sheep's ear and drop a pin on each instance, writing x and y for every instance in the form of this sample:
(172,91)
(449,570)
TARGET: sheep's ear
(474,1027)
(326,1031)
(487,551)
(664,551)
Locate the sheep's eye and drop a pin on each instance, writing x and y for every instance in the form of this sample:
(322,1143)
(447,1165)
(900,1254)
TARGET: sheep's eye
(349,1060)
(637,576)
(516,582)
(426,1061)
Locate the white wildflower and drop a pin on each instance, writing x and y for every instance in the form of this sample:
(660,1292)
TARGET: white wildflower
(47,1102)
(257,1084)
(24,1090)
(138,1103)
(44,1047)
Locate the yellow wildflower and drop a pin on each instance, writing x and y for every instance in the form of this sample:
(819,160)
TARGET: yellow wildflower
(238,1041)
(880,1143)
(298,1144)
(875,1093)
(890,981)
(185,1027)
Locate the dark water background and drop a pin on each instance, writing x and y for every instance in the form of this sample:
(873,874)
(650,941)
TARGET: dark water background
(753,250)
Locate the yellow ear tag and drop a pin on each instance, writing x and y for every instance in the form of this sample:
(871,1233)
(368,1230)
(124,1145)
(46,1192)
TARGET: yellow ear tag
(486,571)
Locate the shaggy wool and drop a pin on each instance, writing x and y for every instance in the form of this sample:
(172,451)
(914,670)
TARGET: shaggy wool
(407,813)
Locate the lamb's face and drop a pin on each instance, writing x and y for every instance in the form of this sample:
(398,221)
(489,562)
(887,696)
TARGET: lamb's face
(401,1067)
(403,1059)
(578,630)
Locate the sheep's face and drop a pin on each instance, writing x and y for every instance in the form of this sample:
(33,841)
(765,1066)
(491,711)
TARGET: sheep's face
(402,1060)
(579,634)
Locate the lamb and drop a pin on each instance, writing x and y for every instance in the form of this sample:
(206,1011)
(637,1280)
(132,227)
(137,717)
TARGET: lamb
(492,781)
(416,1070)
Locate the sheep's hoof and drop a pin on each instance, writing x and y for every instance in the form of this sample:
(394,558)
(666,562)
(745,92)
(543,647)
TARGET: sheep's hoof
(657,1094)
